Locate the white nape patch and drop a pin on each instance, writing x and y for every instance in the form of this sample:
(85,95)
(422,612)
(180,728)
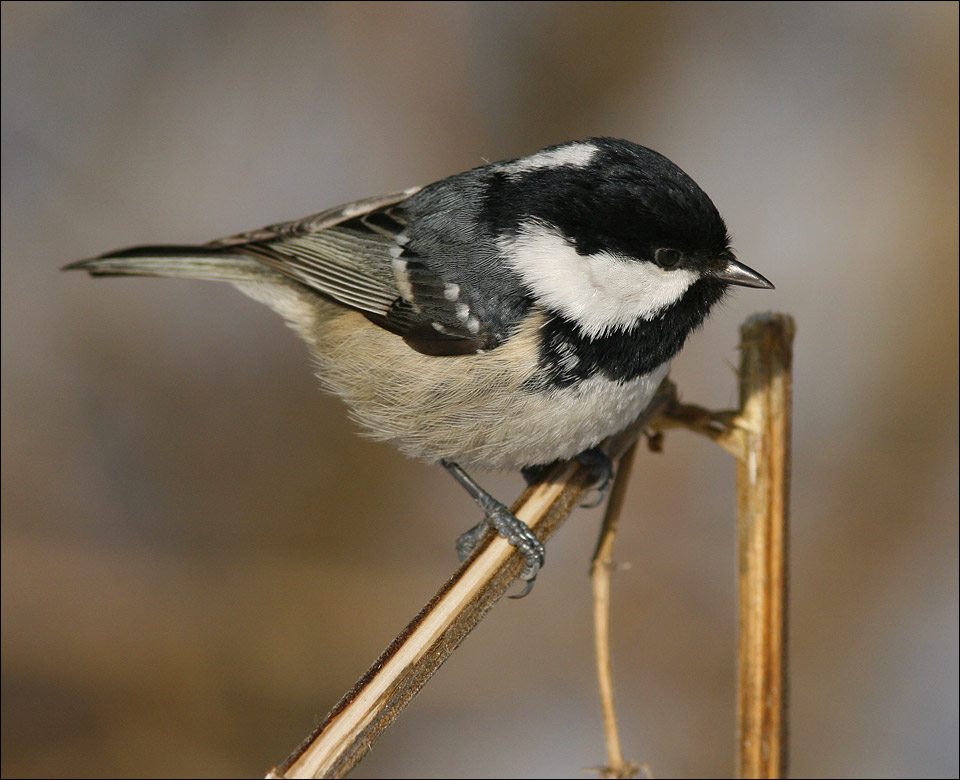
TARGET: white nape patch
(599,292)
(578,155)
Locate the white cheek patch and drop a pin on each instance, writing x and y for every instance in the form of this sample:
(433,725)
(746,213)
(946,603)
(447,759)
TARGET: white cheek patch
(599,292)
(578,155)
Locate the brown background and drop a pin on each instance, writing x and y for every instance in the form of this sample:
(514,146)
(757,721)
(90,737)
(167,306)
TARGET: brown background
(200,555)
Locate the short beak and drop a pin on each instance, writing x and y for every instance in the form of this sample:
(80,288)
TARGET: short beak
(738,273)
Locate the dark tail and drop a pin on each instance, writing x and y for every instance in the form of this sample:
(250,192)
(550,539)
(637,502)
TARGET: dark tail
(187,262)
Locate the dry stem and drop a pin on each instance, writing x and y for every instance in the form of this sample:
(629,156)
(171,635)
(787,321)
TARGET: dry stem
(600,569)
(763,493)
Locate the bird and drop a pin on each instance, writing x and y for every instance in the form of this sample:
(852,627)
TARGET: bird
(507,317)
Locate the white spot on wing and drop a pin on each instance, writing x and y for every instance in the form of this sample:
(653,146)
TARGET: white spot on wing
(578,154)
(401,275)
(566,356)
(451,291)
(599,292)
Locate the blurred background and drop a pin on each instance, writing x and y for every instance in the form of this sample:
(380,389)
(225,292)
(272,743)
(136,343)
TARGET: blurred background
(199,553)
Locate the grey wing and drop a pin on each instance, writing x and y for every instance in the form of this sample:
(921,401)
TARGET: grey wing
(334,252)
(356,254)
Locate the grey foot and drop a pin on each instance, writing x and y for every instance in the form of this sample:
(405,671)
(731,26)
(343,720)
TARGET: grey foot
(506,524)
(600,464)
(594,459)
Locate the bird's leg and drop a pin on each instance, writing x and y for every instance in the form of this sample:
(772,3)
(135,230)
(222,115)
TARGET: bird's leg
(533,474)
(507,524)
(594,459)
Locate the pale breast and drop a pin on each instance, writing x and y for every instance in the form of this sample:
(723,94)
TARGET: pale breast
(477,410)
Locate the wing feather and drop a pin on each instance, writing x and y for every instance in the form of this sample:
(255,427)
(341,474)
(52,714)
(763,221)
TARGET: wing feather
(343,252)
(358,255)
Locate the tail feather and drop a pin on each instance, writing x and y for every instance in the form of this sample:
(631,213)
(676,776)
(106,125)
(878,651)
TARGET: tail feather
(186,262)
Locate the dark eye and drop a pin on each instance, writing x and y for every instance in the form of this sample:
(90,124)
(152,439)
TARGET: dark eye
(667,258)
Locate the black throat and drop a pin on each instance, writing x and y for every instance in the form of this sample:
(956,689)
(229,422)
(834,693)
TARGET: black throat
(568,356)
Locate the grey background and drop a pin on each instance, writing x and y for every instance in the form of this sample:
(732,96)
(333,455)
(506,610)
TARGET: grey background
(200,555)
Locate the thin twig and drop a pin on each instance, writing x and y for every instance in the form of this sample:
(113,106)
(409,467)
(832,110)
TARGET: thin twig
(600,569)
(718,426)
(763,492)
(355,723)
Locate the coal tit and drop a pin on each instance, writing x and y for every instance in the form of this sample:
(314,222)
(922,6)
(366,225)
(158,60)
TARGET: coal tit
(509,316)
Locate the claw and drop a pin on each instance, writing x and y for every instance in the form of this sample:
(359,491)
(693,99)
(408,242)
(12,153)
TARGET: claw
(600,464)
(601,491)
(527,587)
